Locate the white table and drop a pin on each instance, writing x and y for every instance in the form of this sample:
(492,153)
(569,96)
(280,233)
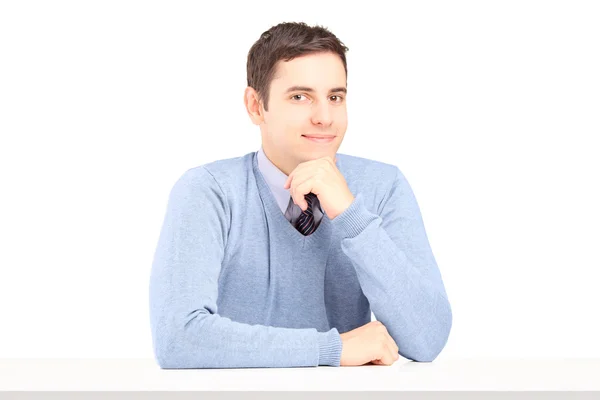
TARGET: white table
(443,374)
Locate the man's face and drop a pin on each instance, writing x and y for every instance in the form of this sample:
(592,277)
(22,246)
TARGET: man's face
(305,99)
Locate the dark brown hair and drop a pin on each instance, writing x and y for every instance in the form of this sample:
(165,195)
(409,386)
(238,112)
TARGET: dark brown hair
(287,41)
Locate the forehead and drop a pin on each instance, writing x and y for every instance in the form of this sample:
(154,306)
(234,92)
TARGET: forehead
(320,71)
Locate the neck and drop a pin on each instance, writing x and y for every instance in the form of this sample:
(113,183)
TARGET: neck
(284,167)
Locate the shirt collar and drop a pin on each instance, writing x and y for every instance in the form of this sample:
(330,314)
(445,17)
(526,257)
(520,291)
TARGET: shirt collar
(275,179)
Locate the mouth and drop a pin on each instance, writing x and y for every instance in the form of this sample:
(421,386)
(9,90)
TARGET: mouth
(319,138)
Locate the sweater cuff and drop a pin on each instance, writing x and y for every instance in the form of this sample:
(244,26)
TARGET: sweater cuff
(354,219)
(330,348)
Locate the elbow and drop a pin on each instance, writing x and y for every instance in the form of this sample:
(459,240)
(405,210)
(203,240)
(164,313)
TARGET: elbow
(164,358)
(169,355)
(169,362)
(434,341)
(427,355)
(182,346)
(171,350)
(166,341)
(422,353)
(164,362)
(164,353)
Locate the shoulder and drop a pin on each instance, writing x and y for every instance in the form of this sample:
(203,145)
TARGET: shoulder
(367,170)
(219,173)
(376,180)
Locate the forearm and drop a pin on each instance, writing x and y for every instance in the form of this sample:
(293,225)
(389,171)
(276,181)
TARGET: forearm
(203,340)
(405,293)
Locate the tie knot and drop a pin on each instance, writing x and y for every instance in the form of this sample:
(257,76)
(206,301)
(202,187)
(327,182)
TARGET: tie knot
(306,222)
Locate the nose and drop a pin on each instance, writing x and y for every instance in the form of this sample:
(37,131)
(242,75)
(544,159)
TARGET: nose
(321,114)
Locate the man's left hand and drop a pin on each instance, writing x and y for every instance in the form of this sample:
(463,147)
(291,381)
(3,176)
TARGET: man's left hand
(323,178)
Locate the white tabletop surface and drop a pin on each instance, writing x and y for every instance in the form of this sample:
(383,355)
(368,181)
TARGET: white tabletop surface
(441,374)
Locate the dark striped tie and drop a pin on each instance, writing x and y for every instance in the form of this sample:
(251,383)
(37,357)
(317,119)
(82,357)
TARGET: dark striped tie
(306,221)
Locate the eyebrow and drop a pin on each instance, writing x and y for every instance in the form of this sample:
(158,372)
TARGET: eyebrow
(311,90)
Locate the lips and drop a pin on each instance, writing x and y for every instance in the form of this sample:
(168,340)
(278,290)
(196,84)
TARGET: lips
(319,136)
(319,139)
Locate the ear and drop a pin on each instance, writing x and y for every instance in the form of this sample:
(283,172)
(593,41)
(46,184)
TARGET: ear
(253,106)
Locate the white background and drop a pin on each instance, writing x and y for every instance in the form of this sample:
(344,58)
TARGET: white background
(490,109)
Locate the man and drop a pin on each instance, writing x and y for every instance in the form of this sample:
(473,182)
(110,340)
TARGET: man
(277,258)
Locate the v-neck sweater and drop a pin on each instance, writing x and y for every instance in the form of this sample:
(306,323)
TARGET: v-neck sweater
(234,284)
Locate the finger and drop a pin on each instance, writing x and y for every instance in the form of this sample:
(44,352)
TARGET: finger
(295,177)
(393,349)
(287,181)
(296,198)
(301,190)
(388,356)
(291,186)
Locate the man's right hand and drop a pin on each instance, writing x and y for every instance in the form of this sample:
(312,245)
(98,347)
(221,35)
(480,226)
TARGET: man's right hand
(370,343)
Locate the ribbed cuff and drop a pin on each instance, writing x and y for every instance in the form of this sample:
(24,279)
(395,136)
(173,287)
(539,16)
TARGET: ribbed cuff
(330,348)
(354,219)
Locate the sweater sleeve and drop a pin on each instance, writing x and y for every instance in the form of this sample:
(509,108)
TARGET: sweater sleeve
(187,330)
(397,270)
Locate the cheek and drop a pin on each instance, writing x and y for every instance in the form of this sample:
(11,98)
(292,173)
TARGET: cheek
(341,119)
(297,113)
(295,120)
(284,114)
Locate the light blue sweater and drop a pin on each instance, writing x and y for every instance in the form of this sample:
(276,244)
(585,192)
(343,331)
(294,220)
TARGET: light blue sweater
(234,284)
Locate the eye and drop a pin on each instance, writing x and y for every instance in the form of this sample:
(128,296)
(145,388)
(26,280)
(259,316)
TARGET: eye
(339,98)
(296,95)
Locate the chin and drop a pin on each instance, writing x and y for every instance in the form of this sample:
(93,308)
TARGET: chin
(315,155)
